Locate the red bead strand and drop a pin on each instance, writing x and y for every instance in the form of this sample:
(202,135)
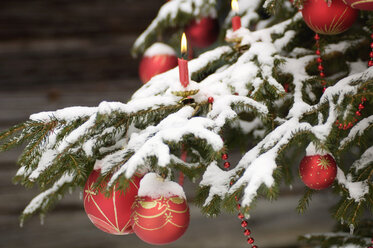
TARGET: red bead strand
(370,63)
(348,125)
(319,60)
(240,215)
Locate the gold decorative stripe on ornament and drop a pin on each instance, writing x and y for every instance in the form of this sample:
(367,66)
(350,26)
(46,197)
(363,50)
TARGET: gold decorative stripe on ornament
(134,184)
(339,23)
(99,209)
(89,192)
(100,222)
(151,229)
(176,224)
(157,228)
(177,200)
(150,216)
(126,225)
(157,215)
(148,205)
(360,2)
(115,208)
(334,28)
(119,232)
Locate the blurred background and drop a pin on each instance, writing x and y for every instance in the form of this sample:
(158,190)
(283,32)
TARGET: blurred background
(60,53)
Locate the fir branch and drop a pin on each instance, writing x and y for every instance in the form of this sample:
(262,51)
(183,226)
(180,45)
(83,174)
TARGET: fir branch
(304,202)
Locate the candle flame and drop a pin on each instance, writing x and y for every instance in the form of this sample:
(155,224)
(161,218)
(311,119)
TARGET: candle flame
(184,44)
(235,7)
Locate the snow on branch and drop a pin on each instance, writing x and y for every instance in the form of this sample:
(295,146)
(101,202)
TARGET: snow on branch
(356,190)
(365,160)
(41,200)
(358,130)
(175,11)
(154,140)
(259,163)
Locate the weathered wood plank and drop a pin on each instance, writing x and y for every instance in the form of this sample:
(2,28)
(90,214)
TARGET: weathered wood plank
(49,42)
(22,19)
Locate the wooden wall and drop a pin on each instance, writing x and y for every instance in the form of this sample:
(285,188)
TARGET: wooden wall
(49,42)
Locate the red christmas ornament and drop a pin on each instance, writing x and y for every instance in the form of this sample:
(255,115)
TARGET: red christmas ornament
(157,59)
(317,171)
(360,4)
(202,33)
(160,221)
(110,214)
(324,19)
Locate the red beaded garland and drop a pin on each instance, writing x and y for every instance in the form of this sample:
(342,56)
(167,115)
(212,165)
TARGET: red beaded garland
(319,60)
(250,240)
(240,215)
(370,63)
(224,156)
(349,125)
(227,165)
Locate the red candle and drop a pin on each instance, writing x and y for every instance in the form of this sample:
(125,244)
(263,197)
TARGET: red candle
(236,23)
(236,20)
(183,72)
(183,64)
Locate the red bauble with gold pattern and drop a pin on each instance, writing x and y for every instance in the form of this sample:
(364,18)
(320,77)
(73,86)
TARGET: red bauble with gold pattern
(160,221)
(202,33)
(324,19)
(318,171)
(360,4)
(110,214)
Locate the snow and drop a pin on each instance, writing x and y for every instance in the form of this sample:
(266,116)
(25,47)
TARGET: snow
(154,186)
(76,134)
(47,157)
(40,200)
(365,159)
(357,130)
(311,150)
(248,127)
(170,11)
(159,48)
(356,190)
(260,171)
(344,235)
(218,181)
(152,142)
(67,114)
(356,67)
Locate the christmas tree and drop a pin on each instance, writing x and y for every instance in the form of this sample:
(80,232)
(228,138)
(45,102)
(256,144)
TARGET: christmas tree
(276,83)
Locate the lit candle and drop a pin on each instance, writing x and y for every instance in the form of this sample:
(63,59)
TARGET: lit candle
(183,64)
(236,20)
